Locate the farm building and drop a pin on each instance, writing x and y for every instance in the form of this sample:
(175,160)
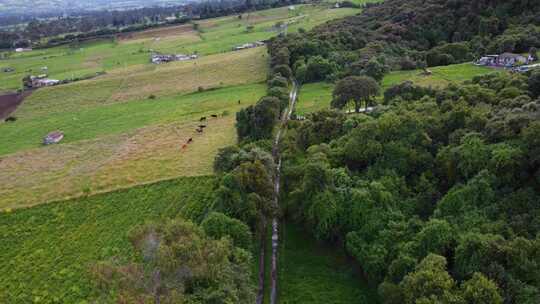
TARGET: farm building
(504,60)
(21,50)
(248,45)
(53,138)
(161,58)
(42,81)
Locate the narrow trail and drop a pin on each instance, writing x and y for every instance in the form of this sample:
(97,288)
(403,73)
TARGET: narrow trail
(275,221)
(277,179)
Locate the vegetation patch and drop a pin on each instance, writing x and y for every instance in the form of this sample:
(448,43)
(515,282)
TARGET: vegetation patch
(46,251)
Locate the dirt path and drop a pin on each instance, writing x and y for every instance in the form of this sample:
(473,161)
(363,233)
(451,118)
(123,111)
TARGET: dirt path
(275,221)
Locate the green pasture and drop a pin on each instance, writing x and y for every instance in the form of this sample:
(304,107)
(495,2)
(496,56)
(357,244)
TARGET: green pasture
(95,121)
(317,96)
(46,251)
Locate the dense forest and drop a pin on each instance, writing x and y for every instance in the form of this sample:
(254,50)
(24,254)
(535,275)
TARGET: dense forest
(435,194)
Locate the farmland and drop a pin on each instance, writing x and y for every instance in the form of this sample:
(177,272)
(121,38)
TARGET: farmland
(126,127)
(205,37)
(124,159)
(317,96)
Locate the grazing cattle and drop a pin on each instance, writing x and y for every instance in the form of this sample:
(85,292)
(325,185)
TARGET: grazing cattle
(199,130)
(202,126)
(11,119)
(190,140)
(184,146)
(202,118)
(214,115)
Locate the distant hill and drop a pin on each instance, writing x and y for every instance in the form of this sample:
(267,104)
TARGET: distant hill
(27,7)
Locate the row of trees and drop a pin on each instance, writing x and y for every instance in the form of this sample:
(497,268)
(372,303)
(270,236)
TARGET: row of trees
(257,122)
(435,194)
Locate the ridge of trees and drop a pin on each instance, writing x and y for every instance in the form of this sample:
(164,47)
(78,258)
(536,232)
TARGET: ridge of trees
(411,34)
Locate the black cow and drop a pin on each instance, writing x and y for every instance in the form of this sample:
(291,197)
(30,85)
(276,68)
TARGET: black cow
(190,140)
(202,126)
(202,118)
(199,130)
(214,115)
(11,119)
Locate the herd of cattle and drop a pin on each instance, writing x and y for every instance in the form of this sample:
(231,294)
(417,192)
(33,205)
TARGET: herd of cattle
(199,130)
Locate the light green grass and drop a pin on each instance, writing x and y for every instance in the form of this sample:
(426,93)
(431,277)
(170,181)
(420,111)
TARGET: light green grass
(317,96)
(46,251)
(441,76)
(313,273)
(87,123)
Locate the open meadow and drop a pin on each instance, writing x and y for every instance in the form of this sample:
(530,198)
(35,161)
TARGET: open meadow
(317,96)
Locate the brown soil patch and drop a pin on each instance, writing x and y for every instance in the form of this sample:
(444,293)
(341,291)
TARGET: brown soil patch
(10,102)
(158,32)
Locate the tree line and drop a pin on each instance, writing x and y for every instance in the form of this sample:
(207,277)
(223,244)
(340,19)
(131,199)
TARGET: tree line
(56,30)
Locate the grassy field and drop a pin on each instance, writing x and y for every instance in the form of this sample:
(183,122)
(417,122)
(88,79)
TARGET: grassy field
(317,96)
(211,37)
(46,251)
(115,134)
(314,273)
(117,145)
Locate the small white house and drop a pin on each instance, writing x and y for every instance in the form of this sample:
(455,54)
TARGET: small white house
(21,50)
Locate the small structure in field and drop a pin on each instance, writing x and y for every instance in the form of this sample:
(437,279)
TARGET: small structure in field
(53,138)
(163,58)
(248,46)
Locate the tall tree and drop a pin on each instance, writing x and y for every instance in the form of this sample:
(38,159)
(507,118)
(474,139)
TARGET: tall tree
(358,89)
